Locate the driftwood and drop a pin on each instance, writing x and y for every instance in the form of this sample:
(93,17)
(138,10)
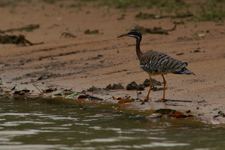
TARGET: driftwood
(30,27)
(13,39)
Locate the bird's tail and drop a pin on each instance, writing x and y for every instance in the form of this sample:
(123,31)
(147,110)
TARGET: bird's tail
(184,71)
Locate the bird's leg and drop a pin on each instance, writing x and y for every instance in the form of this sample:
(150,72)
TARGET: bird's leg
(164,91)
(147,98)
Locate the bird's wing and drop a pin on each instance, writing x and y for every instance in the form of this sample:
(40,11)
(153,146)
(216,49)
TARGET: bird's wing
(155,62)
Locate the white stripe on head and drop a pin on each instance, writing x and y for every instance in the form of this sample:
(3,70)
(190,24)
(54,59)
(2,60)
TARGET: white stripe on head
(135,36)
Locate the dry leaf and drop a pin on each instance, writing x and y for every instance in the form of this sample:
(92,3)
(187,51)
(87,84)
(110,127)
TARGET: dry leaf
(178,114)
(124,101)
(82,96)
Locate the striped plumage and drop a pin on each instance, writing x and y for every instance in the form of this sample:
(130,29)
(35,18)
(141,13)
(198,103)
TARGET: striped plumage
(160,63)
(156,63)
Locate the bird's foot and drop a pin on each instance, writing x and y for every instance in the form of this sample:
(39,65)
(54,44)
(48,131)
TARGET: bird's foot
(161,100)
(147,99)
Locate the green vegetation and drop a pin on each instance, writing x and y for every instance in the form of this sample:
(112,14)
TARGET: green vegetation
(50,1)
(77,5)
(167,6)
(207,10)
(128,3)
(91,32)
(211,11)
(8,3)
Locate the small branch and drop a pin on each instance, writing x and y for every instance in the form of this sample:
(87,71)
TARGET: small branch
(37,88)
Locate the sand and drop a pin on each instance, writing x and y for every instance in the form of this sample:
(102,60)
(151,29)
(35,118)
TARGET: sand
(102,59)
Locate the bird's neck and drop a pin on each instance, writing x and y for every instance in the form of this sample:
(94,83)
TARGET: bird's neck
(138,50)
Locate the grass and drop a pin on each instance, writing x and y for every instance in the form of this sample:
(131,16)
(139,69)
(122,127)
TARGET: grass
(208,10)
(212,11)
(8,3)
(50,1)
(162,5)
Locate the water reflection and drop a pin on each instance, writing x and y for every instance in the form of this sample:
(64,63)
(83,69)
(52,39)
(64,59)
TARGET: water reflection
(26,125)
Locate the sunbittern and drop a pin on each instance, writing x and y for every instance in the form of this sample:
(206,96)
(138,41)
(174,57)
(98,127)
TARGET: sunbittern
(156,63)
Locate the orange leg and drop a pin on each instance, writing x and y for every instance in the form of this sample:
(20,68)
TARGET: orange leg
(147,98)
(164,91)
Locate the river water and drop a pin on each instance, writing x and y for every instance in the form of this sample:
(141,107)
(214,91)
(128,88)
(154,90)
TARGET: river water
(32,124)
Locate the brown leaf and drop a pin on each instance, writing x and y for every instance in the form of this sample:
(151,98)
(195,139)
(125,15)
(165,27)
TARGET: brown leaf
(178,114)
(82,96)
(124,101)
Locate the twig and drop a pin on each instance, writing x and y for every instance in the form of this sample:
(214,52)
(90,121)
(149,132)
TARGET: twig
(37,88)
(177,100)
(65,34)
(14,87)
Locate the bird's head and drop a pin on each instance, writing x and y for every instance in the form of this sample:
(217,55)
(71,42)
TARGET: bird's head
(133,33)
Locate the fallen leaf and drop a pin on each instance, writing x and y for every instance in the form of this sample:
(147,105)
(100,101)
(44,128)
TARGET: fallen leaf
(178,114)
(155,115)
(124,101)
(82,96)
(70,95)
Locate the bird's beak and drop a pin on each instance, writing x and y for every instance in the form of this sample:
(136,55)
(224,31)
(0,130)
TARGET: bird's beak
(123,35)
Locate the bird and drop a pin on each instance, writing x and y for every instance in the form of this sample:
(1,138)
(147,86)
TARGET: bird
(156,63)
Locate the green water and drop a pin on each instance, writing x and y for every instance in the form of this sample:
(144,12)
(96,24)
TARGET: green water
(30,124)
